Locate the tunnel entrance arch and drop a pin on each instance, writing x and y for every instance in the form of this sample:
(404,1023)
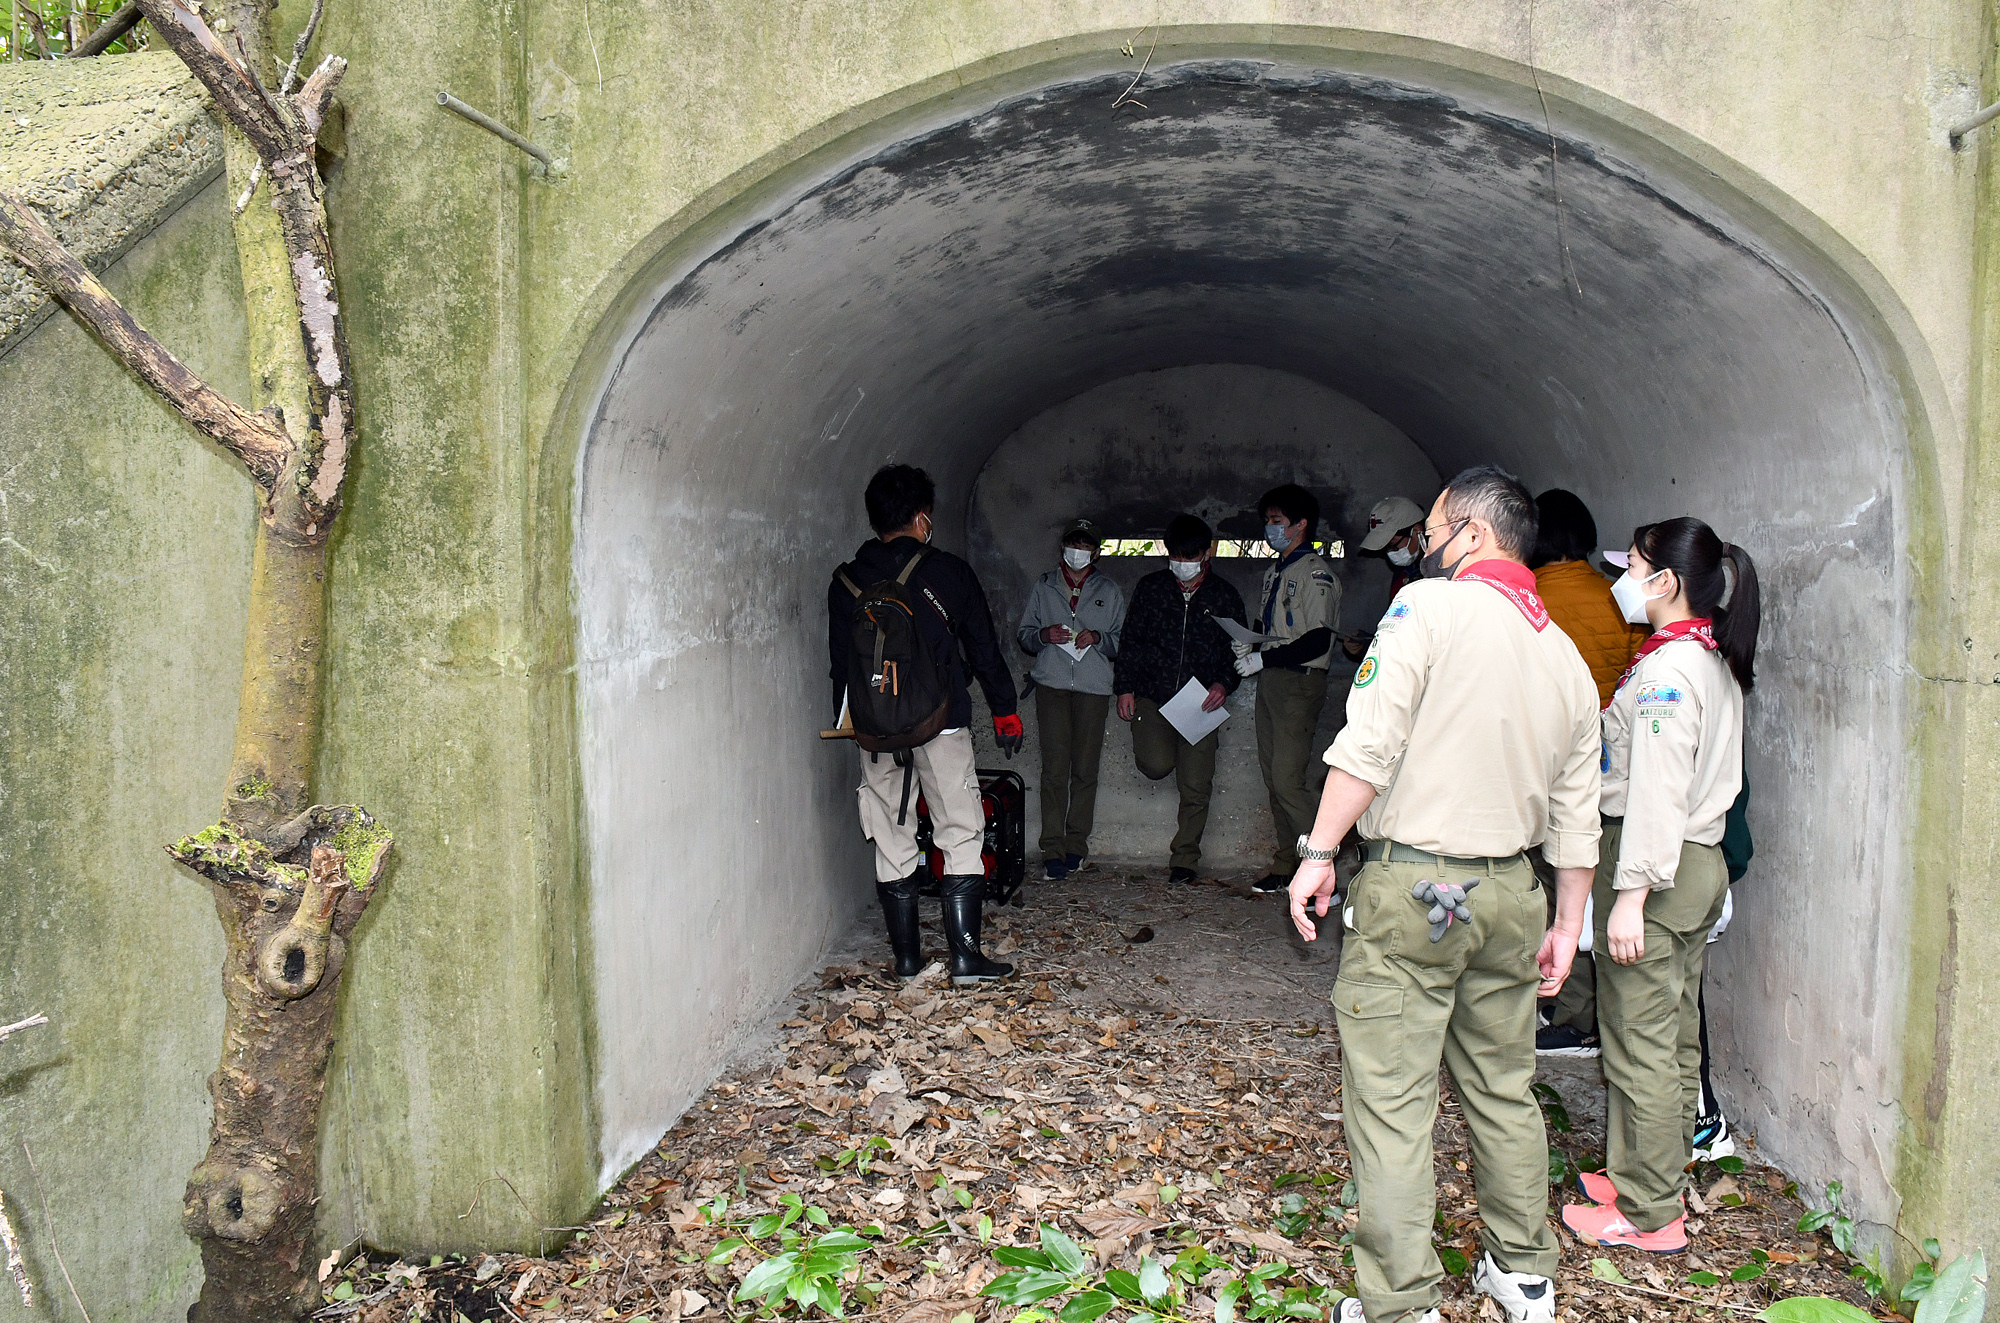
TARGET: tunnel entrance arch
(1385,230)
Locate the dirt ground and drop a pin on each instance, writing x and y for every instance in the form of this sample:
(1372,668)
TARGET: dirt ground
(1162,1075)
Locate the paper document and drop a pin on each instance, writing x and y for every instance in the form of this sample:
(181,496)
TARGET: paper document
(1238,634)
(1183,710)
(1075,653)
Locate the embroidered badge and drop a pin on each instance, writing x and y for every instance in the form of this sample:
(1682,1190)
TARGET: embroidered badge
(1366,675)
(1398,612)
(1658,700)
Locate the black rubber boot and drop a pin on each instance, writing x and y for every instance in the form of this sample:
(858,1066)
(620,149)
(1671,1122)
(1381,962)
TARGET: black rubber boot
(963,896)
(899,911)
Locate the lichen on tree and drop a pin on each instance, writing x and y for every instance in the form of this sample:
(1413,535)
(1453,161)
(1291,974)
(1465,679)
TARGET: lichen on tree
(290,878)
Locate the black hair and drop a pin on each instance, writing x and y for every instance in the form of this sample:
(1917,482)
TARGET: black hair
(897,494)
(1295,503)
(1728,596)
(1567,532)
(1497,496)
(1188,536)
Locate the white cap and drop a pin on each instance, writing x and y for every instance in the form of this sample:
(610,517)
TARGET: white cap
(1391,515)
(1622,559)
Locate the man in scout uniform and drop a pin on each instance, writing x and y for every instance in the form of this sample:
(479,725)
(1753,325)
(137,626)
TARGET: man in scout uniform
(1471,737)
(1301,609)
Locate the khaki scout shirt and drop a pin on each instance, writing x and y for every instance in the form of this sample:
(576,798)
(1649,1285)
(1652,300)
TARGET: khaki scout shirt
(1673,759)
(1308,598)
(1478,731)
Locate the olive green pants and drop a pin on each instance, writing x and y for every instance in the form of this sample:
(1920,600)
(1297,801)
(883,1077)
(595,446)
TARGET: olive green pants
(1158,749)
(1649,1018)
(1288,708)
(1070,726)
(1403,1004)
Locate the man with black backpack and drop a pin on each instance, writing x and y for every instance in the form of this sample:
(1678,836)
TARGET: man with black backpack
(905,622)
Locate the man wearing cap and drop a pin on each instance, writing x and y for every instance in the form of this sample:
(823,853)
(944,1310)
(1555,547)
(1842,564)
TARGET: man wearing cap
(1300,613)
(1392,529)
(1471,737)
(1071,626)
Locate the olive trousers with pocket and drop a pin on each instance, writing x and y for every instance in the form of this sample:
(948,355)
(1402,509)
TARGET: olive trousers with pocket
(1288,708)
(1576,1004)
(1404,1004)
(1070,726)
(1649,1022)
(1158,750)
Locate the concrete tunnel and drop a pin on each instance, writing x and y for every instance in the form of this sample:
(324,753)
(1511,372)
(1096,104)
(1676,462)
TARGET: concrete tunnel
(1357,275)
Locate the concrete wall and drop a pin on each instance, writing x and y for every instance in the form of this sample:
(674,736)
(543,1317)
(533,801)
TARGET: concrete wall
(493,308)
(1209,439)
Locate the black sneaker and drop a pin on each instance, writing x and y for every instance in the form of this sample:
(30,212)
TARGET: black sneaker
(1565,1040)
(1055,870)
(1181,877)
(1077,863)
(1271,882)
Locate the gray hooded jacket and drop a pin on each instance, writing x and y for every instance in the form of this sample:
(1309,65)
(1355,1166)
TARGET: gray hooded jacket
(1101,606)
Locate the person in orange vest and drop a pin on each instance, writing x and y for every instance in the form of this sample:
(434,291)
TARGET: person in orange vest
(1579,601)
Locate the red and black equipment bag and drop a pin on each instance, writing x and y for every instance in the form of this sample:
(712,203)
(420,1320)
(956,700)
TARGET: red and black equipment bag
(1004,852)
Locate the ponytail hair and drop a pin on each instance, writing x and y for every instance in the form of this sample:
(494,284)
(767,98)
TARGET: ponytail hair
(1720,582)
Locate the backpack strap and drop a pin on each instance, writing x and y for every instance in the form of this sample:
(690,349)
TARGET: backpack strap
(911,567)
(841,574)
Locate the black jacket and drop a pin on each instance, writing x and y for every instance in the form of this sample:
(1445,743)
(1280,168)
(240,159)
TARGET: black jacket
(1169,639)
(966,643)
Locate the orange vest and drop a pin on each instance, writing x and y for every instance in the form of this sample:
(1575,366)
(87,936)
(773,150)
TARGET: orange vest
(1579,601)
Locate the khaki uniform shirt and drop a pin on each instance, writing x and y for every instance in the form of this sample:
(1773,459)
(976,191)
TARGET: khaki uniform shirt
(1673,759)
(1308,598)
(1478,731)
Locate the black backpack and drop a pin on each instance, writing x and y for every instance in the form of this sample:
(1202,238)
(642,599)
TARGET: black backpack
(897,697)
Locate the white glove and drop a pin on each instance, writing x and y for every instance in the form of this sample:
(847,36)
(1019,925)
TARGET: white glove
(1248,666)
(1241,649)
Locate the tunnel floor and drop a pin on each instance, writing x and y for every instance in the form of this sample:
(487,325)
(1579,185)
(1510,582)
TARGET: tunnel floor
(1163,1075)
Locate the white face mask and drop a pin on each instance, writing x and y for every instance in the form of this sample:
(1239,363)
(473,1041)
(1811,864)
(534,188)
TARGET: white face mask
(1401,556)
(1076,557)
(1631,596)
(1186,570)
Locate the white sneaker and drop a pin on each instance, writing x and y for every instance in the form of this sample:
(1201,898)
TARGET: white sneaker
(1526,1297)
(1711,1139)
(1349,1311)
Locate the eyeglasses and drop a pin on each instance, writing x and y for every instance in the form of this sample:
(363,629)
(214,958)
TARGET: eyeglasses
(1423,538)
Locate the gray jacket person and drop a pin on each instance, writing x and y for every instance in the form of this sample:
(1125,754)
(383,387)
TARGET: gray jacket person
(1071,627)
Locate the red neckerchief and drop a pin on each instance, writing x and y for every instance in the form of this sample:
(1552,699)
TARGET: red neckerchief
(1075,585)
(1516,583)
(1701,629)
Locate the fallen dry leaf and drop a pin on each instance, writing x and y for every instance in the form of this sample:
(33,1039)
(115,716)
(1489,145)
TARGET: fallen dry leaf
(937,1311)
(1115,1223)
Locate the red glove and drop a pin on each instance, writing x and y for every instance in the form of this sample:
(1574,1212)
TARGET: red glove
(1007,731)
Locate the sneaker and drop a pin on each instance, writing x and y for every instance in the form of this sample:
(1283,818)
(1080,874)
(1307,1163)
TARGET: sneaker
(1055,870)
(1603,1224)
(1349,1311)
(1077,863)
(1525,1297)
(1711,1138)
(1271,882)
(1180,877)
(1565,1040)
(1597,1187)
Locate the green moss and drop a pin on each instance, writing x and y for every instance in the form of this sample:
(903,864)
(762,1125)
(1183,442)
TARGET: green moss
(257,789)
(223,847)
(363,843)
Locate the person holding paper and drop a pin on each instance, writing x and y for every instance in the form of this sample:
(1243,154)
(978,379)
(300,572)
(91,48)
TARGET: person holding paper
(1170,644)
(1472,737)
(1301,612)
(1071,627)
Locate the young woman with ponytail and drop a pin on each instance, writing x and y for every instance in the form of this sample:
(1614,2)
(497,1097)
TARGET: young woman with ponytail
(1673,764)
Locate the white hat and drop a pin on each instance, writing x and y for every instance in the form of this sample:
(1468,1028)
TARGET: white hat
(1391,515)
(1622,559)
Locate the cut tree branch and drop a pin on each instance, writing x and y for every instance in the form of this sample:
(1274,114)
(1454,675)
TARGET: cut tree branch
(109,31)
(15,1265)
(259,441)
(299,47)
(19,1025)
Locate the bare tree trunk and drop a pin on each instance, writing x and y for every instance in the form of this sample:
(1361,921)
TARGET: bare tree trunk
(290,879)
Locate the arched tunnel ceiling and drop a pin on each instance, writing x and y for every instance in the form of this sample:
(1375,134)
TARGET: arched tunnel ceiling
(1393,242)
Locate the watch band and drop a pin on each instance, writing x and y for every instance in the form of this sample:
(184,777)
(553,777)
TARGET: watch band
(1310,855)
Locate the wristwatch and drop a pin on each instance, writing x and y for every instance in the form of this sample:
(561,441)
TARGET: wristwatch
(1312,856)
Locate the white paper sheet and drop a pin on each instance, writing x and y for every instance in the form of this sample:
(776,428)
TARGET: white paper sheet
(1075,653)
(1238,634)
(1183,710)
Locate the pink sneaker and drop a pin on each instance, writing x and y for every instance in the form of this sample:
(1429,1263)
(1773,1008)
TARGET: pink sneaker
(1605,1225)
(1597,1187)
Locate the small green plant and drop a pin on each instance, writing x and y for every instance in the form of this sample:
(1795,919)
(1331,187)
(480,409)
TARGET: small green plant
(811,1265)
(1160,1292)
(1924,1276)
(861,1157)
(1955,1293)
(1839,1228)
(1553,1110)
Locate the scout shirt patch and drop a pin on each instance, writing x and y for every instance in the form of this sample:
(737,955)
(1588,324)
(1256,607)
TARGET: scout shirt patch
(1655,699)
(1366,675)
(1398,611)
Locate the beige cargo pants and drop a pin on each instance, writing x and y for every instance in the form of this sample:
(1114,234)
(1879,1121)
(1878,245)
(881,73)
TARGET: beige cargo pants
(1404,1004)
(1649,1021)
(950,787)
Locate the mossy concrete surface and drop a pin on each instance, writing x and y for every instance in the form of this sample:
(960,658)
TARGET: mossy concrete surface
(486,305)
